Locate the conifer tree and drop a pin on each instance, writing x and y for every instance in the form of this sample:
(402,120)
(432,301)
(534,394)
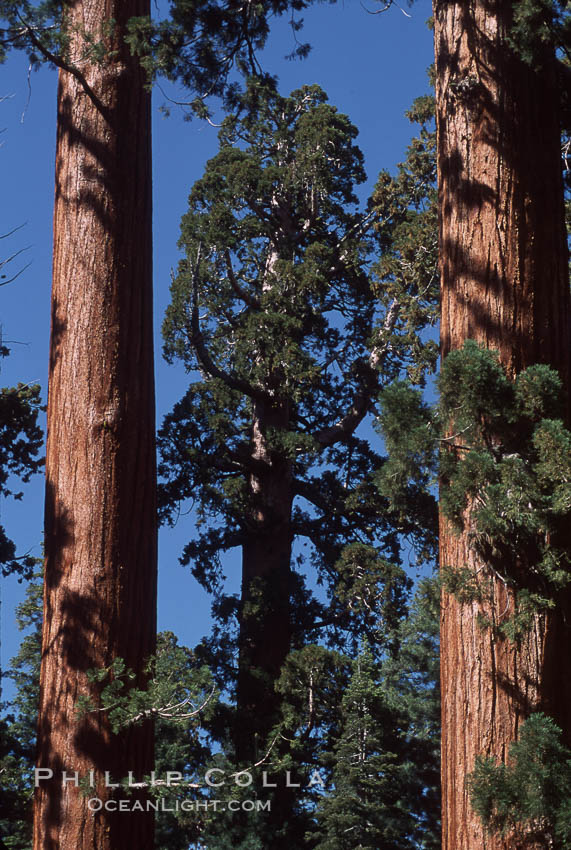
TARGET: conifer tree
(18,726)
(527,798)
(274,305)
(386,759)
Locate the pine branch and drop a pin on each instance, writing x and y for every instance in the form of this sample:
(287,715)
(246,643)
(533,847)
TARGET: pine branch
(60,63)
(172,711)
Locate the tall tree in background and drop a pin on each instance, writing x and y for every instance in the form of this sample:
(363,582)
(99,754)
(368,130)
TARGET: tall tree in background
(504,283)
(275,306)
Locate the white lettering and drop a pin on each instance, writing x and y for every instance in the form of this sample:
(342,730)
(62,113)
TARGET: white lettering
(41,773)
(109,784)
(289,783)
(265,783)
(315,779)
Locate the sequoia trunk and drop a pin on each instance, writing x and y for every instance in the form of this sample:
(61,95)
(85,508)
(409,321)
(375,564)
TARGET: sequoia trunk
(265,630)
(100,568)
(504,281)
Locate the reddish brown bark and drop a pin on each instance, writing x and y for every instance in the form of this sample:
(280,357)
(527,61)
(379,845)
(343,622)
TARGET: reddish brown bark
(505,284)
(100,569)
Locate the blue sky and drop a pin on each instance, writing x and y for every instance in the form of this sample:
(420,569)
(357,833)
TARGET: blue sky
(371,66)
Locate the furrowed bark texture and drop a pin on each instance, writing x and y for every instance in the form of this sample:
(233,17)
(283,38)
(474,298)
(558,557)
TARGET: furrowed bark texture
(265,630)
(100,569)
(505,284)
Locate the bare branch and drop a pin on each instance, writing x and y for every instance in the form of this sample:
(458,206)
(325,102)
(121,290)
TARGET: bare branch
(16,276)
(262,760)
(15,229)
(378,11)
(13,256)
(379,352)
(171,711)
(348,423)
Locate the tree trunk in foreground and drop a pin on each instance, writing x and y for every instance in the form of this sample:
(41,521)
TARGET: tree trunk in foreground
(100,569)
(265,630)
(505,284)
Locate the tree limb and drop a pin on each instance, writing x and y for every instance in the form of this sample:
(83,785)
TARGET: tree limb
(233,382)
(348,423)
(63,65)
(240,291)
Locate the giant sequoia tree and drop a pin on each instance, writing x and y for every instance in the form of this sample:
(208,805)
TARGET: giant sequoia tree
(100,571)
(274,304)
(504,283)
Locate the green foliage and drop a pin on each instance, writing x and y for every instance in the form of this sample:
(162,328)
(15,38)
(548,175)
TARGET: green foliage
(529,797)
(198,44)
(18,727)
(539,27)
(33,27)
(21,439)
(177,688)
(296,308)
(365,774)
(406,269)
(505,473)
(375,589)
(407,478)
(386,759)
(509,460)
(314,685)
